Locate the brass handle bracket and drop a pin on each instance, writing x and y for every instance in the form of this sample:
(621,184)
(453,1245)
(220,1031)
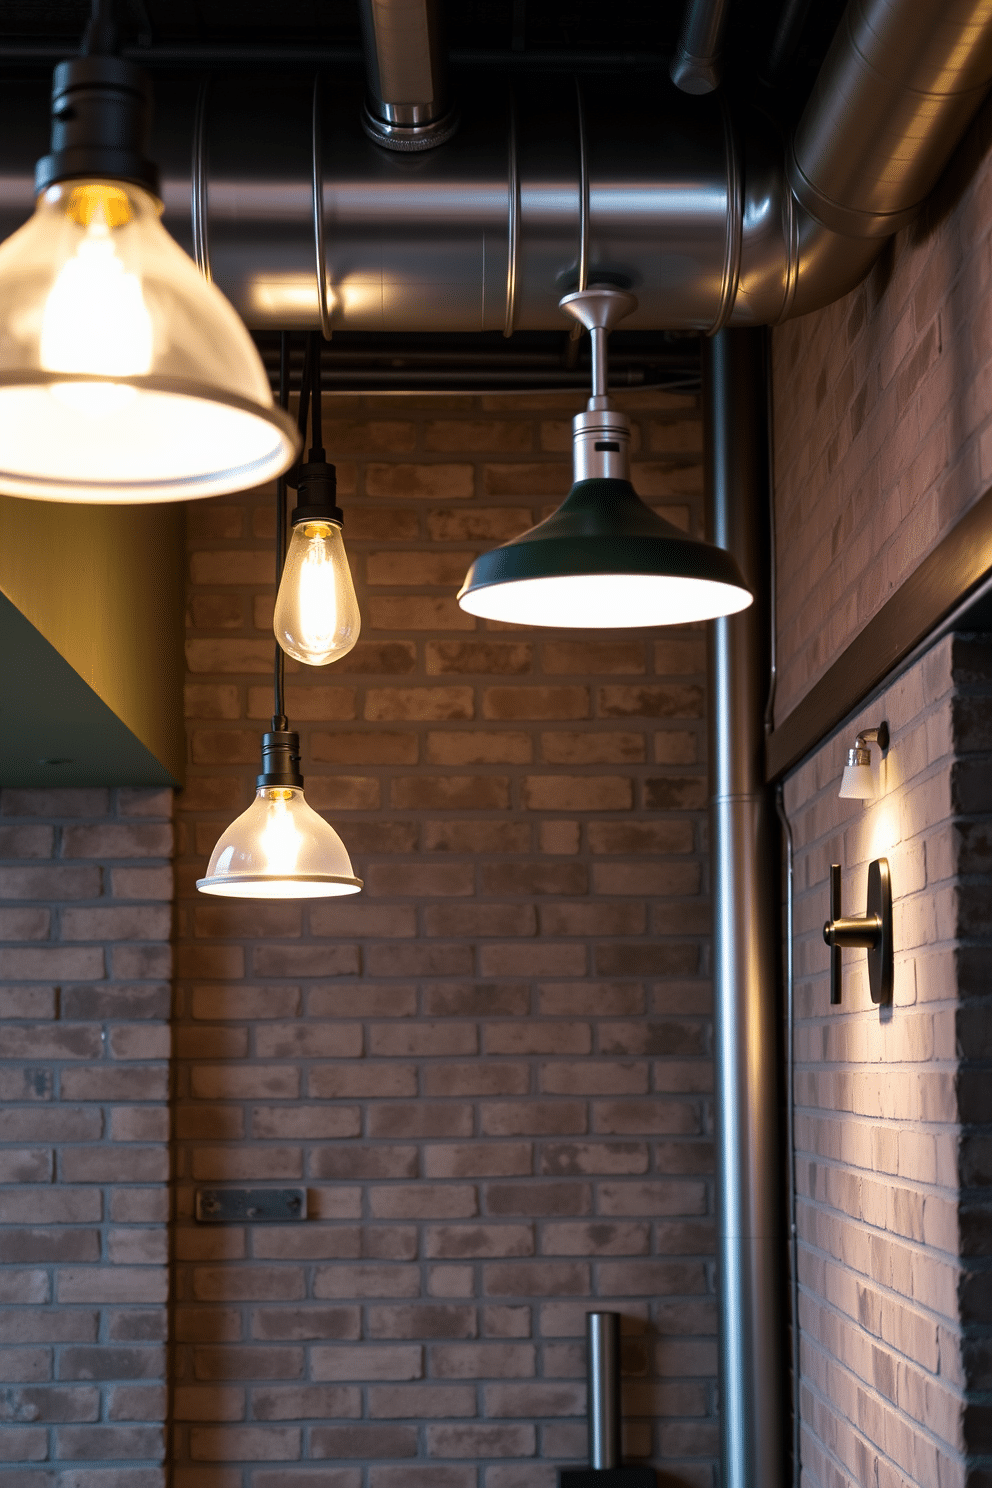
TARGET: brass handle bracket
(873,933)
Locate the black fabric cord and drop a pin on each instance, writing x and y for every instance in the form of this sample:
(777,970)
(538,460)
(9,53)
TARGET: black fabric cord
(316,431)
(279,720)
(100,36)
(305,382)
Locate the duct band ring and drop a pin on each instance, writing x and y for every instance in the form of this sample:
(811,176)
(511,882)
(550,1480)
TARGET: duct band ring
(512,221)
(199,177)
(318,215)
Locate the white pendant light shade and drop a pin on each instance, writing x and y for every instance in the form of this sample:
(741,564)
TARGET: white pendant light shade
(124,375)
(279,849)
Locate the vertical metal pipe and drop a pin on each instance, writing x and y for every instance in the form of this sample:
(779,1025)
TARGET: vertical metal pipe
(406,69)
(603,1338)
(697,65)
(745,914)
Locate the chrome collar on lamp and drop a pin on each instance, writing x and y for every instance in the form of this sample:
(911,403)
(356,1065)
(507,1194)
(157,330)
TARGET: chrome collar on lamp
(603,559)
(858,782)
(124,375)
(279,848)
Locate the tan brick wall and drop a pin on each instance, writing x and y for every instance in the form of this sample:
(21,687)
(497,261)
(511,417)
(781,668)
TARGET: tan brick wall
(85,963)
(890,1104)
(491,1070)
(883,425)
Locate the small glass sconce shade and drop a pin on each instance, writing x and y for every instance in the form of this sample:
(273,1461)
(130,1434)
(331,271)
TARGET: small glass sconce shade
(858,782)
(279,849)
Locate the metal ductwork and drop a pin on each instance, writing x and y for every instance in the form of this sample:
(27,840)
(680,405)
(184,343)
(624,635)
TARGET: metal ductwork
(896,91)
(676,198)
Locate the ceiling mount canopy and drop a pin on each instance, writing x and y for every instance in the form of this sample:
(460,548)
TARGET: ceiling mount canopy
(124,375)
(604,559)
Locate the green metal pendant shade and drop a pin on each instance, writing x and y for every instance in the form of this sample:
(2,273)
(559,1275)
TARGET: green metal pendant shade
(603,560)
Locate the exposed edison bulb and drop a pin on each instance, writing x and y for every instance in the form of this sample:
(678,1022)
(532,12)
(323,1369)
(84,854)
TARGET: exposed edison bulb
(316,616)
(280,839)
(279,849)
(95,319)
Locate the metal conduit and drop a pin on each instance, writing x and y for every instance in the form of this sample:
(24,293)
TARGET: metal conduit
(750,1251)
(688,205)
(698,62)
(407,106)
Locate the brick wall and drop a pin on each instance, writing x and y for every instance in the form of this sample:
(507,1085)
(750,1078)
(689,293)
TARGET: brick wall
(892,1152)
(491,1070)
(85,961)
(883,423)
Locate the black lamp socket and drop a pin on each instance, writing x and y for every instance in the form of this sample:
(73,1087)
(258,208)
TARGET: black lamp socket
(101,124)
(316,494)
(280,760)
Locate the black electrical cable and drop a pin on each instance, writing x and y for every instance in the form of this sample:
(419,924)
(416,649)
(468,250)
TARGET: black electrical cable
(279,720)
(305,384)
(316,430)
(100,36)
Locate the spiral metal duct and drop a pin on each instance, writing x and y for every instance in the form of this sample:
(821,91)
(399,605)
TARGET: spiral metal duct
(669,195)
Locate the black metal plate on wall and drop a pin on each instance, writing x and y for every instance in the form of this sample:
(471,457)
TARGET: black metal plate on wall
(257,1205)
(607,1477)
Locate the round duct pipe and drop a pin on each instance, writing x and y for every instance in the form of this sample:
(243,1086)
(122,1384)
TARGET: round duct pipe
(482,234)
(266,176)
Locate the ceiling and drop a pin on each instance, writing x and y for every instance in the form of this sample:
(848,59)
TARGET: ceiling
(774,47)
(773,50)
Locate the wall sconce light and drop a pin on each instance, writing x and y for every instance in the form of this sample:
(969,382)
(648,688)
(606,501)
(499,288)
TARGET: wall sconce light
(125,376)
(873,933)
(603,559)
(858,782)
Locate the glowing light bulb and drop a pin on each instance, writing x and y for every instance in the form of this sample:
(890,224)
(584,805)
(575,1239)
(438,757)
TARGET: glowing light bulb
(279,839)
(95,319)
(316,616)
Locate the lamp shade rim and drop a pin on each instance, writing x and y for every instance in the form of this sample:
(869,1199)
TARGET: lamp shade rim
(219,880)
(190,485)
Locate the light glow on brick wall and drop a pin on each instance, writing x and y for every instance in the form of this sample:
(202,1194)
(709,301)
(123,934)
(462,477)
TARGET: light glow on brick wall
(492,1069)
(891,1286)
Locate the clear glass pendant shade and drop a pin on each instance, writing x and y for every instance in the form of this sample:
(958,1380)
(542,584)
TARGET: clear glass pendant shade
(316,616)
(124,375)
(279,849)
